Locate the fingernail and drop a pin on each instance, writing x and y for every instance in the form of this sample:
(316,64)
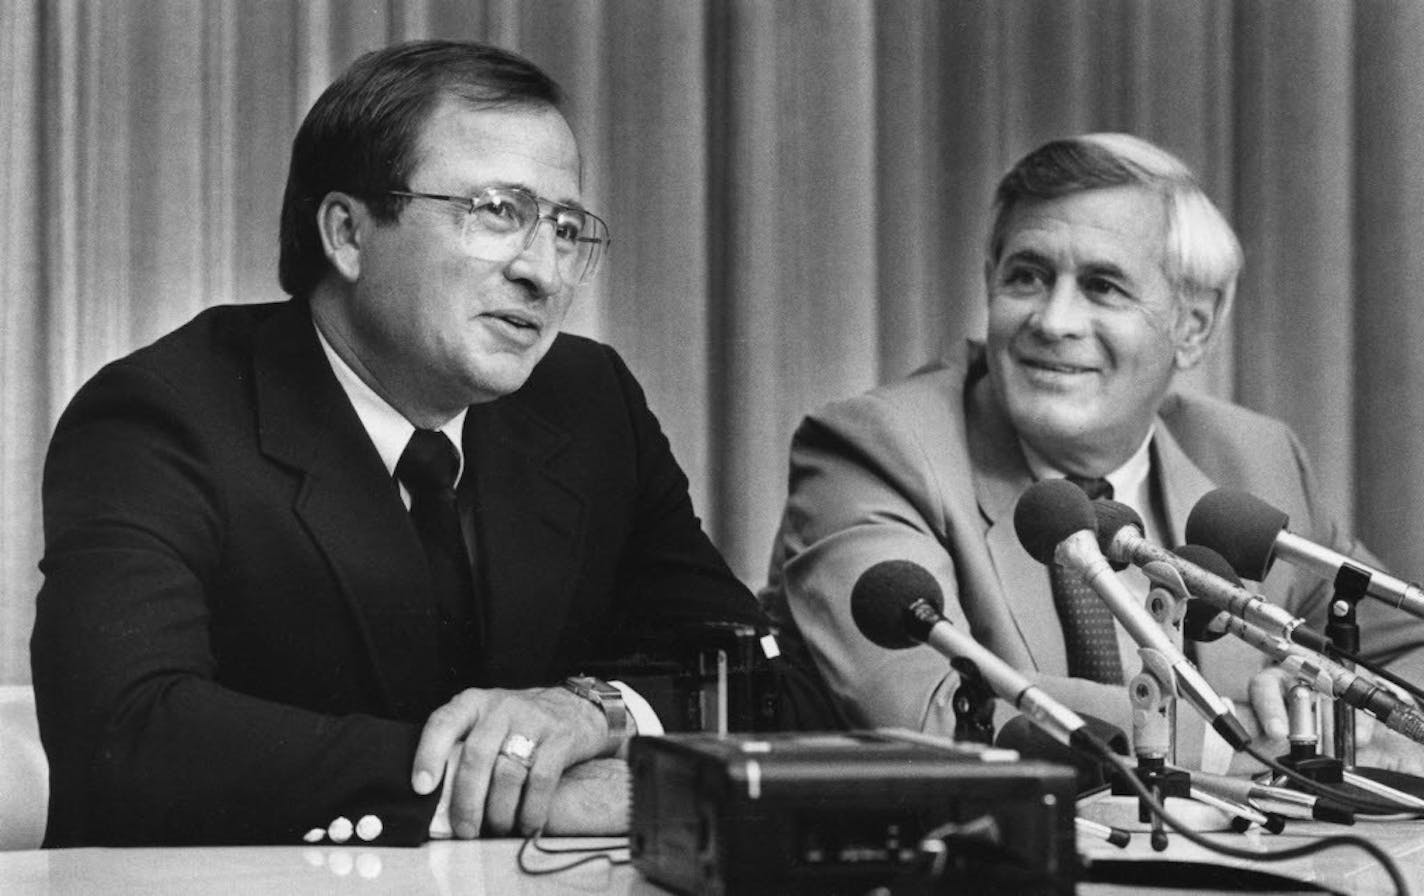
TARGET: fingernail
(1277,729)
(466,831)
(424,783)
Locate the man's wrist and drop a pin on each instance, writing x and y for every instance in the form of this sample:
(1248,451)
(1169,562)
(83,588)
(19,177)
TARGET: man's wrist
(608,700)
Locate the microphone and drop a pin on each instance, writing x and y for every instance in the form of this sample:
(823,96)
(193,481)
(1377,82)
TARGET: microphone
(1277,800)
(1251,534)
(1120,536)
(1323,674)
(1027,739)
(1056,522)
(897,604)
(1203,622)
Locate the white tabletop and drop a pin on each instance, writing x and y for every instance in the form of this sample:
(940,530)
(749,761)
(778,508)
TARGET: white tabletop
(449,867)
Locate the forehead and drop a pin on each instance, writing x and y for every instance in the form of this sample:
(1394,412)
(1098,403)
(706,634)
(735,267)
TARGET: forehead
(1124,227)
(462,148)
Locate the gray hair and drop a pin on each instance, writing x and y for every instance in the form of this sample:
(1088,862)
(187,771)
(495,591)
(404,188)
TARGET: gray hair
(1200,252)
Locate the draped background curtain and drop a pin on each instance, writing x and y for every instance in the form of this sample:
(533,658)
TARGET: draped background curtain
(798,193)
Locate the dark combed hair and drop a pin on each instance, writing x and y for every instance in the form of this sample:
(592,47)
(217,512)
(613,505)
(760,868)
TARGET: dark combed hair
(362,134)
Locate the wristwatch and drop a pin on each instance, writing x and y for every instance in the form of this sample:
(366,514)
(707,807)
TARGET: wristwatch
(609,700)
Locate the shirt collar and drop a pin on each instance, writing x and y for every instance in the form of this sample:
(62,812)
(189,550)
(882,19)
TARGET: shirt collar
(1129,481)
(389,430)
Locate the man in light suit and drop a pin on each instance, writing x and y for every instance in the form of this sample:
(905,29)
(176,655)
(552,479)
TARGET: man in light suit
(241,634)
(1108,270)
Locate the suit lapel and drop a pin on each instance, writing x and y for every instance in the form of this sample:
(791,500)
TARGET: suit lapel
(1182,482)
(1000,477)
(530,523)
(349,505)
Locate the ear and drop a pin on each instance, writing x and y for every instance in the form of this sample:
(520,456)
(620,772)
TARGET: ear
(1197,314)
(341,219)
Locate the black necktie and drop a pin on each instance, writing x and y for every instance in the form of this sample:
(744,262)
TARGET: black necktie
(428,468)
(1089,630)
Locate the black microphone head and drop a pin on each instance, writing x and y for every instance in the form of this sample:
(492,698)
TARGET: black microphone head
(1025,736)
(881,599)
(1238,526)
(1112,518)
(1196,626)
(1048,512)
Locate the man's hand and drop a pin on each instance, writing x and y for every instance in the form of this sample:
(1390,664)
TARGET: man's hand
(1375,745)
(1268,699)
(591,800)
(1378,747)
(493,790)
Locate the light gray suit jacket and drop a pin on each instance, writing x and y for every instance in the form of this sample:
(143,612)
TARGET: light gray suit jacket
(929,470)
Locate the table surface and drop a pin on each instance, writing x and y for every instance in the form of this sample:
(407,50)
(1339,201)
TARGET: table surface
(490,866)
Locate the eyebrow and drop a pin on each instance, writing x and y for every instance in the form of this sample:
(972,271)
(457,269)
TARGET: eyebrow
(1095,268)
(1108,269)
(1028,255)
(519,185)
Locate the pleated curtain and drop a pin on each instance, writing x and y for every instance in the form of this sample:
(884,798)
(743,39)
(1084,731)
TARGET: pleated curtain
(798,193)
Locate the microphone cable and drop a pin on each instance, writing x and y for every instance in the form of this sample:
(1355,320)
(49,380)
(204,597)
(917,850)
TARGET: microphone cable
(1361,803)
(1294,852)
(613,850)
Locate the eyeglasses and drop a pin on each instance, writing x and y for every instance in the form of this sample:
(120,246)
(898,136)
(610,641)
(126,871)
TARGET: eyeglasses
(500,223)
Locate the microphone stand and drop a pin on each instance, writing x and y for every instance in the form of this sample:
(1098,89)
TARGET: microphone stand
(1343,629)
(973,704)
(1153,695)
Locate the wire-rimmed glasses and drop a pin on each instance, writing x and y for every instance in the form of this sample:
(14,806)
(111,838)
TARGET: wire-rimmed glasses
(500,223)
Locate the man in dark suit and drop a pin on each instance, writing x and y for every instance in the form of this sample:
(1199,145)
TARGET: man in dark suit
(315,569)
(1108,271)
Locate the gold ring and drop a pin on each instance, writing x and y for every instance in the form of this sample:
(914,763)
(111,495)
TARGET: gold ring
(520,749)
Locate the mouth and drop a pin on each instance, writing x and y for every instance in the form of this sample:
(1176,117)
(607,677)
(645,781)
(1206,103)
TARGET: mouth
(1055,366)
(518,321)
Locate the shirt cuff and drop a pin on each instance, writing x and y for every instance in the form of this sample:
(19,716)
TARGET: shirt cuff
(640,713)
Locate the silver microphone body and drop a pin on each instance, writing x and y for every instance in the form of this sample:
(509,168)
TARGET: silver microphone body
(1080,551)
(1007,683)
(1330,678)
(1129,546)
(1326,563)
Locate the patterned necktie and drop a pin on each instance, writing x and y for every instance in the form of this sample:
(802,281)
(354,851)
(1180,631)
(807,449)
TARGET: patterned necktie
(1089,629)
(428,468)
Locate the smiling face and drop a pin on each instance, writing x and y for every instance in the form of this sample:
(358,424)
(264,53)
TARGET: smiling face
(427,324)
(1085,330)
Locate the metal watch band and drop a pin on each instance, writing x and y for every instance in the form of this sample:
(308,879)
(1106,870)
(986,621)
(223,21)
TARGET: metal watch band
(609,700)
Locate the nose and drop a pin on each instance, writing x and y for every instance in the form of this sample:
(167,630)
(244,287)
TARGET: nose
(538,263)
(1063,311)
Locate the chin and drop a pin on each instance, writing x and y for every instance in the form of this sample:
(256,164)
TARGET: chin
(498,385)
(1044,422)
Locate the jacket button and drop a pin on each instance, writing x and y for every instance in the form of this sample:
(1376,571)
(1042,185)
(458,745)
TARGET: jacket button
(369,827)
(339,830)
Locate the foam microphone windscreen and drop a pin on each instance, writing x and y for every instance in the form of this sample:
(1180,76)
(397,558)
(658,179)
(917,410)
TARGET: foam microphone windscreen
(1238,526)
(1048,512)
(1032,742)
(1196,626)
(883,593)
(1112,517)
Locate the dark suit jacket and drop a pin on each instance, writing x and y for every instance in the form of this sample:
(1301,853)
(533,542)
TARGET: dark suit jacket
(234,642)
(929,470)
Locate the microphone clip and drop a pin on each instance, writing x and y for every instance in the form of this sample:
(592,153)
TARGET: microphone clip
(973,704)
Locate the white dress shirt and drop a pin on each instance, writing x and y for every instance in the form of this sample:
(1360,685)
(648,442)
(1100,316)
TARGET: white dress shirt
(390,431)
